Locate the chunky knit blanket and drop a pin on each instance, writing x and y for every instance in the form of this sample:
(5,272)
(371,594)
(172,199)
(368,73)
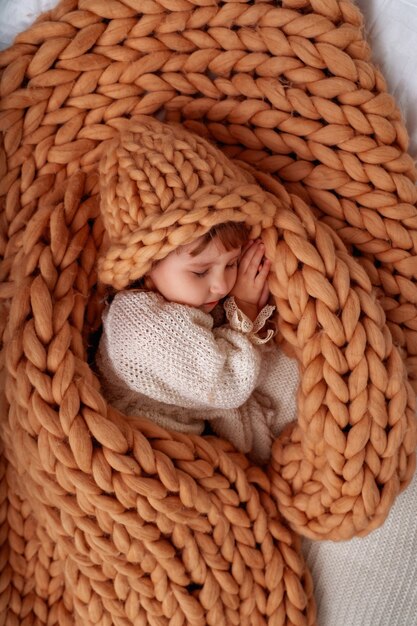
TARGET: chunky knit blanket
(108,520)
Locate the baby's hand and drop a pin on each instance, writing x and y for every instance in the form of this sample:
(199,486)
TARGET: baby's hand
(251,288)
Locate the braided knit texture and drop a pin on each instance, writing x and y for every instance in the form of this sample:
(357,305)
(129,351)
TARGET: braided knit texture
(162,186)
(108,520)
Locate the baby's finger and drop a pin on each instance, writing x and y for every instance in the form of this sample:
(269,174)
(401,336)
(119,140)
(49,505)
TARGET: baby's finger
(256,261)
(245,248)
(253,252)
(264,296)
(263,272)
(264,267)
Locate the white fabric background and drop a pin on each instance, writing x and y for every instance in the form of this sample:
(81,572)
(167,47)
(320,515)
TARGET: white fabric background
(370,581)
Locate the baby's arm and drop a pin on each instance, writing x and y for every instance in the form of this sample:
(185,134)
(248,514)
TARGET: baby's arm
(170,352)
(246,305)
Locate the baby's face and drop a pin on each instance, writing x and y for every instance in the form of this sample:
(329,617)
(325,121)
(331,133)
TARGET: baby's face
(199,281)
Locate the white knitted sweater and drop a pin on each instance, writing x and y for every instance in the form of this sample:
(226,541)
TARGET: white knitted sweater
(168,362)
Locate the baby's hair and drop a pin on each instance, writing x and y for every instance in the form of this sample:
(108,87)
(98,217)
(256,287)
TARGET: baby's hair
(231,235)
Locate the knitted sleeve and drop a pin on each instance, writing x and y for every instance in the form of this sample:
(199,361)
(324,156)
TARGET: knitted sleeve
(170,352)
(256,330)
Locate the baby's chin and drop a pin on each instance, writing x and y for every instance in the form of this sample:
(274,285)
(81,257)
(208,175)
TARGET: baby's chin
(207,307)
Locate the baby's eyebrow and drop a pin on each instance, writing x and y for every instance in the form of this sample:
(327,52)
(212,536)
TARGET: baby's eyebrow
(199,264)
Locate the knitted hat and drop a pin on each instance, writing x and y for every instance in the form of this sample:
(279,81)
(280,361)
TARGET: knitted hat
(161,187)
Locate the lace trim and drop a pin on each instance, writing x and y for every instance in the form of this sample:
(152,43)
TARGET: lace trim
(241,322)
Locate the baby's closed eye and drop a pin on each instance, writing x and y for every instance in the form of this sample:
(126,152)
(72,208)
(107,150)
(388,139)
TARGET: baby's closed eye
(201,274)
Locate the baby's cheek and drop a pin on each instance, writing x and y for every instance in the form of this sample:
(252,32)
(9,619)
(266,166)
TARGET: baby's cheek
(233,280)
(199,290)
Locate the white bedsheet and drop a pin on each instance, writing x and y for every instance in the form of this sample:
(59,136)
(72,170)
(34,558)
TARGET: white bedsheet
(391,27)
(371,581)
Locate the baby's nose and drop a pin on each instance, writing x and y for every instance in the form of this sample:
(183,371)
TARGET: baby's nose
(219,285)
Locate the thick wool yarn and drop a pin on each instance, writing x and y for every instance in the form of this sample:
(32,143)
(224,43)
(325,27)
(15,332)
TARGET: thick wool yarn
(115,521)
(162,186)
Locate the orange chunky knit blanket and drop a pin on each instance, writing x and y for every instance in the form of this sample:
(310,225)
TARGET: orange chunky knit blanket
(114,520)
